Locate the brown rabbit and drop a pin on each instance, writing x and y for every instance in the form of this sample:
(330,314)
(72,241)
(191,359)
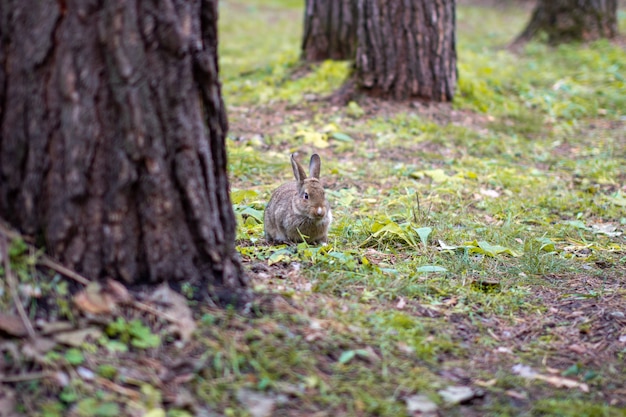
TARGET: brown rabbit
(299,210)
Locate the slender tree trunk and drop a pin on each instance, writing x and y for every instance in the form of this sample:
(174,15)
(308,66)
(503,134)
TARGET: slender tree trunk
(572,20)
(112,134)
(329,30)
(407,49)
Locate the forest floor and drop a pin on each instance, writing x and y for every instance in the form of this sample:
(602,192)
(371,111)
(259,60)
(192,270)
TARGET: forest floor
(476,265)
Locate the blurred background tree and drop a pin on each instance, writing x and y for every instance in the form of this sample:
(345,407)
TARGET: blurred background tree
(571,20)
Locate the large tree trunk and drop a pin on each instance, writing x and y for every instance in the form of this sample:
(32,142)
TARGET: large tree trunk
(572,20)
(407,49)
(329,30)
(112,138)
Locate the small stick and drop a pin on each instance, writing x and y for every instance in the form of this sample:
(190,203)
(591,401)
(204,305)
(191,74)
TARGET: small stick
(117,388)
(25,377)
(55,266)
(4,251)
(149,309)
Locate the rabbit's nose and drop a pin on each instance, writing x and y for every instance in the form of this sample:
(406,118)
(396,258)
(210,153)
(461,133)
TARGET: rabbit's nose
(320,211)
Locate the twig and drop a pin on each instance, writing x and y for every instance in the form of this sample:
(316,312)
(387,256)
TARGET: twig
(25,377)
(149,309)
(4,251)
(117,388)
(55,266)
(48,262)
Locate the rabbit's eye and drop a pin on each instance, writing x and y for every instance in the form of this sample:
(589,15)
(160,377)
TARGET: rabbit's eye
(305,196)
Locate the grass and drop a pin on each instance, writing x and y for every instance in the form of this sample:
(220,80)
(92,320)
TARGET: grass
(491,211)
(468,238)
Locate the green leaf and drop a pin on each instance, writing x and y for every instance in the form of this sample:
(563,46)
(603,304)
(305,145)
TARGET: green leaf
(437,175)
(68,395)
(423,233)
(115,346)
(252,212)
(578,224)
(17,247)
(354,110)
(74,356)
(547,244)
(347,356)
(493,250)
(341,137)
(311,137)
(107,371)
(155,412)
(238,196)
(108,409)
(142,336)
(488,249)
(431,268)
(281,255)
(618,199)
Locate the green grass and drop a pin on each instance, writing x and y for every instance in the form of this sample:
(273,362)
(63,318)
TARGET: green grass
(467,238)
(510,188)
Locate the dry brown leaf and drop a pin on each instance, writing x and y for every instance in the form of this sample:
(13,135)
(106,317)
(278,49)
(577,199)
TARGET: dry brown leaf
(487,384)
(517,395)
(77,337)
(94,300)
(176,307)
(577,348)
(37,349)
(421,405)
(256,403)
(12,325)
(50,327)
(118,291)
(457,394)
(7,402)
(558,381)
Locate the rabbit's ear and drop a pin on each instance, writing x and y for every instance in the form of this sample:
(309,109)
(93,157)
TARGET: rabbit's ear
(314,166)
(298,171)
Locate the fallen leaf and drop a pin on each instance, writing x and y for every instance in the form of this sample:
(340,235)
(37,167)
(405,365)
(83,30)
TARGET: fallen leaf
(155,412)
(457,394)
(77,337)
(7,402)
(50,327)
(85,373)
(118,291)
(486,384)
(257,404)
(517,395)
(421,405)
(401,304)
(94,300)
(527,372)
(605,229)
(486,285)
(12,325)
(37,349)
(489,193)
(175,306)
(577,348)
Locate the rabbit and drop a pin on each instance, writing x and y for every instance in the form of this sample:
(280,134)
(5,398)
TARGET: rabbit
(299,210)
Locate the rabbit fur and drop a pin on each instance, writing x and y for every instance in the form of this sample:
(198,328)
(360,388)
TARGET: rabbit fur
(299,210)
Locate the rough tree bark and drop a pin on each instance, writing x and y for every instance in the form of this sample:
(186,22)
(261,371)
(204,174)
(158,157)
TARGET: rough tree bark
(571,20)
(406,49)
(112,134)
(329,30)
